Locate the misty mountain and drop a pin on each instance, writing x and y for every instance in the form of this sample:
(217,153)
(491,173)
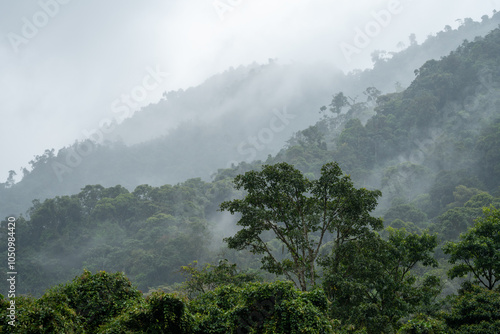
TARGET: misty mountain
(243,114)
(256,87)
(431,148)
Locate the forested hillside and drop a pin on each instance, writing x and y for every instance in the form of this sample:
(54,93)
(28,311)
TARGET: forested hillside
(382,216)
(242,114)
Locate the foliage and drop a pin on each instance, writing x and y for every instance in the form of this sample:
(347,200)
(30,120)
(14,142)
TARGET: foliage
(445,124)
(423,324)
(77,307)
(402,180)
(148,233)
(475,310)
(489,156)
(369,281)
(299,213)
(444,190)
(478,251)
(261,308)
(460,216)
(158,313)
(213,276)
(44,315)
(96,298)
(253,307)
(165,159)
(434,144)
(405,212)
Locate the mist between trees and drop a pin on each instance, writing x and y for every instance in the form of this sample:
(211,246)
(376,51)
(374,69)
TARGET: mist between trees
(370,210)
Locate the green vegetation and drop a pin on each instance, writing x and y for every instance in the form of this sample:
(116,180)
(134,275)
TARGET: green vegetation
(148,233)
(478,251)
(298,214)
(474,310)
(369,284)
(211,277)
(313,250)
(194,149)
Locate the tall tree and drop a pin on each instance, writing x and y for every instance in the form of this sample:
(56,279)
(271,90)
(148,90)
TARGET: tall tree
(284,206)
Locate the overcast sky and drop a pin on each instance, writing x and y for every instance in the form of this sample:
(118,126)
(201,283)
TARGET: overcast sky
(65,63)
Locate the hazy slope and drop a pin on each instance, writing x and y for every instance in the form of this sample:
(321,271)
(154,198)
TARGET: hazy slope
(242,114)
(432,149)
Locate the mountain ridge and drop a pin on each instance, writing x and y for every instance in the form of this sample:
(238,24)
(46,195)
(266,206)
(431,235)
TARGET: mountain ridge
(206,145)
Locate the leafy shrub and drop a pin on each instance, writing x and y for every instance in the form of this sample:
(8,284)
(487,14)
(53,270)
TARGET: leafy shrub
(159,313)
(261,308)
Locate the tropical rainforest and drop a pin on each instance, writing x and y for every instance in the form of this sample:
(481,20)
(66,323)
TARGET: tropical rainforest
(380,215)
